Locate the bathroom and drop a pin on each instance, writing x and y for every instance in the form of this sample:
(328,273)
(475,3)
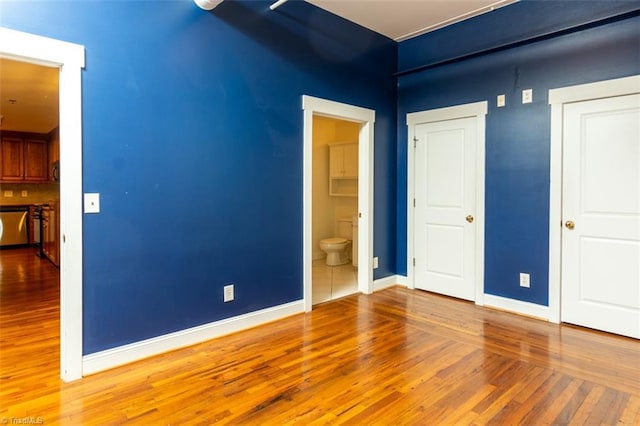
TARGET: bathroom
(335,205)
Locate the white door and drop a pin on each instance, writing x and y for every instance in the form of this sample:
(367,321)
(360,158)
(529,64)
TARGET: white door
(601,215)
(445,173)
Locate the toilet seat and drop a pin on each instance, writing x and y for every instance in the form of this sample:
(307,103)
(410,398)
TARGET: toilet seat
(334,240)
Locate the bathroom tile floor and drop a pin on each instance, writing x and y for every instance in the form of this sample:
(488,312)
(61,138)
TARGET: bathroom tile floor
(332,282)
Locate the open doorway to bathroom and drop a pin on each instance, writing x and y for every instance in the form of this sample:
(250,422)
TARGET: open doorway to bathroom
(364,120)
(335,208)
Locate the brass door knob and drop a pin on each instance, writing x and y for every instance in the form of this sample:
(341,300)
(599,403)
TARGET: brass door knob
(569,224)
(469,219)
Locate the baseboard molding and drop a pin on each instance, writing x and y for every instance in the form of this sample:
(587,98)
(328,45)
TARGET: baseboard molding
(110,358)
(517,306)
(402,280)
(389,281)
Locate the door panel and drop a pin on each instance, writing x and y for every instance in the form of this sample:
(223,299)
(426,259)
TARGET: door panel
(601,196)
(445,196)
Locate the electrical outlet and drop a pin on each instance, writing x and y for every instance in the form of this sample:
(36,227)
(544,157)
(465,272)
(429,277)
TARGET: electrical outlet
(527,96)
(8,193)
(525,280)
(501,101)
(375,262)
(228,293)
(92,203)
(24,194)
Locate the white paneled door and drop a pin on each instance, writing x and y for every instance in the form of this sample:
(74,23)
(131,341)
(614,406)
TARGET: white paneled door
(601,215)
(445,179)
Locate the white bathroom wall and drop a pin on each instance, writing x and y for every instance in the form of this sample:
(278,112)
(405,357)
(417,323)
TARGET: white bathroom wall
(326,209)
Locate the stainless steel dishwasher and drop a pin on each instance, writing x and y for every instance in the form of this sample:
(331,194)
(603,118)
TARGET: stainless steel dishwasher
(14,225)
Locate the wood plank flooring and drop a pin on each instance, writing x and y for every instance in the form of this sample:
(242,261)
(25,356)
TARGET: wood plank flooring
(398,357)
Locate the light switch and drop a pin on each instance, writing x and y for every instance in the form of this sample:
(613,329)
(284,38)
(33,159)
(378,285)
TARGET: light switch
(501,101)
(92,203)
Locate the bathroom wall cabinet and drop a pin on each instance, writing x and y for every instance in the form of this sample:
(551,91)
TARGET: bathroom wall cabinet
(343,169)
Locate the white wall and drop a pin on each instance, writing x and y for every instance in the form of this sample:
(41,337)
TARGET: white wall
(326,208)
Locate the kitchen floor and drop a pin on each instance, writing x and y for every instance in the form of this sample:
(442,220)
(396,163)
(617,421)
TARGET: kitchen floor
(332,282)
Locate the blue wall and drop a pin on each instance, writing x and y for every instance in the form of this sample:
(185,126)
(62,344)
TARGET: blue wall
(193,135)
(517,136)
(192,132)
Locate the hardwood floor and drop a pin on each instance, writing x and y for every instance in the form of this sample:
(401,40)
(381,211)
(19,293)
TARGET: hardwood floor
(397,357)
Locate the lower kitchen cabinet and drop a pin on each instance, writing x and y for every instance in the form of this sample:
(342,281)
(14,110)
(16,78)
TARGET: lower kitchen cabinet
(51,232)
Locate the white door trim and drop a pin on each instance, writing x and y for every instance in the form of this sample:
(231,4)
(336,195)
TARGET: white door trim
(557,99)
(69,58)
(366,117)
(478,110)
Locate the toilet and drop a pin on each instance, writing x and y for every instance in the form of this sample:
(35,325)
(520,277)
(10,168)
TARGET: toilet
(338,248)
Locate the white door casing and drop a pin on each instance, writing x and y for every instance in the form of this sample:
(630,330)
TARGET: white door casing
(316,106)
(600,268)
(69,58)
(558,99)
(445,177)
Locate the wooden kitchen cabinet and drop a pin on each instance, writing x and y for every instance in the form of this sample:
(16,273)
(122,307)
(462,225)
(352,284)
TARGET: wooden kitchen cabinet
(11,159)
(24,157)
(36,163)
(51,232)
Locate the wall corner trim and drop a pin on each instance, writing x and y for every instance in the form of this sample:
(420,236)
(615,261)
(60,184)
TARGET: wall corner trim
(390,281)
(114,357)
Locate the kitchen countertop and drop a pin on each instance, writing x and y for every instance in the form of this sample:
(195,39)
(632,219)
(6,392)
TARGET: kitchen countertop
(11,206)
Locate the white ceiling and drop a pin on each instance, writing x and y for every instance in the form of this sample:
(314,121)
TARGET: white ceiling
(403,19)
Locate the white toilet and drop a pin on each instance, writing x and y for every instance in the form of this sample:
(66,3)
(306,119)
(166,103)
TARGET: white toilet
(338,248)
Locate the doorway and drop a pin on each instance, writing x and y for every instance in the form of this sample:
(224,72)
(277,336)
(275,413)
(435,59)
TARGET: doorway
(364,118)
(69,59)
(595,268)
(335,208)
(445,193)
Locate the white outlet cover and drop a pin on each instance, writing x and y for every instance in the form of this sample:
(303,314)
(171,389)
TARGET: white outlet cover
(501,101)
(525,280)
(228,293)
(92,203)
(527,96)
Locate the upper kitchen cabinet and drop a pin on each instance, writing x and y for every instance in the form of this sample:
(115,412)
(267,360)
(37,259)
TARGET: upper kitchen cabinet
(11,159)
(36,165)
(24,157)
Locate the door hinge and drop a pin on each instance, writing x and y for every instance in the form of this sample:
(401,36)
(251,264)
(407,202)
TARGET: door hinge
(414,202)
(415,140)
(414,261)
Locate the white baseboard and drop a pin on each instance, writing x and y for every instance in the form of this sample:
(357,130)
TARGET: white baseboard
(389,281)
(114,357)
(402,280)
(517,306)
